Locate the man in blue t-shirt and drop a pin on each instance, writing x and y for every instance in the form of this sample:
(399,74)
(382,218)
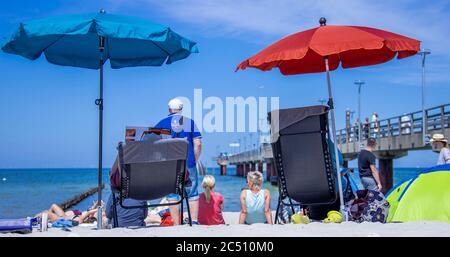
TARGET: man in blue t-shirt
(183,127)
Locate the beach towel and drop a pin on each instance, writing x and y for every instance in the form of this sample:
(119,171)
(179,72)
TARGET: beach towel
(369,206)
(63,223)
(22,226)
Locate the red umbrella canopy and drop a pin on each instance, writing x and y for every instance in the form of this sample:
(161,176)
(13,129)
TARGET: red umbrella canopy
(351,46)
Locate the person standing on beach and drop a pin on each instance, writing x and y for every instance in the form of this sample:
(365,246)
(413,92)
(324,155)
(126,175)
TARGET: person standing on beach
(440,144)
(367,167)
(183,127)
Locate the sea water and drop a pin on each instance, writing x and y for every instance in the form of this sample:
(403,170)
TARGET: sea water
(25,192)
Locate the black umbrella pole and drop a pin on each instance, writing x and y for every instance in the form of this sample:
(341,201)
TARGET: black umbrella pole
(99,102)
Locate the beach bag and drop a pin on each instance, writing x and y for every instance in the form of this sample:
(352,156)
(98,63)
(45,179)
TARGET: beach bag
(369,206)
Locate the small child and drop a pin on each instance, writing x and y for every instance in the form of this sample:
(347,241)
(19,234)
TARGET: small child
(210,204)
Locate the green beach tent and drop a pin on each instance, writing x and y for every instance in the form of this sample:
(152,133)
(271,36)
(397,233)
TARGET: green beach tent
(425,197)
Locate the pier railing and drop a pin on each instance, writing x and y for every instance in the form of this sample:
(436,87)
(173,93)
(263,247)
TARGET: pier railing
(259,154)
(395,135)
(436,118)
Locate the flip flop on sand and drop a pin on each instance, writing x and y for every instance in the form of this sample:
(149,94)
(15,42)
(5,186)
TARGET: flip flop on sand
(300,219)
(333,217)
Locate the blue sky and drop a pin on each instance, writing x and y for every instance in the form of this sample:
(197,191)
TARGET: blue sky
(48,116)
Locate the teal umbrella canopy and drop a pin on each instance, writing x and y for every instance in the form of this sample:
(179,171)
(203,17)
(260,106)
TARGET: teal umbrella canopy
(73,40)
(89,40)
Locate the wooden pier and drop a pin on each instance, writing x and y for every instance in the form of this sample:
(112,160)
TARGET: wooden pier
(395,137)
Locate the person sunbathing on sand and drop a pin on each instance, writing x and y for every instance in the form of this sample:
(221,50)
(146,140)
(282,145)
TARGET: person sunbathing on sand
(56,212)
(255,201)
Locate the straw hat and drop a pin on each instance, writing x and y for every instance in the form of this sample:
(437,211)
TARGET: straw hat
(438,138)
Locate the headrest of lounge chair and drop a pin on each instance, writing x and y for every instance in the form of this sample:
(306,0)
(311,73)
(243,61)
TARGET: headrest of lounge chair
(155,150)
(284,118)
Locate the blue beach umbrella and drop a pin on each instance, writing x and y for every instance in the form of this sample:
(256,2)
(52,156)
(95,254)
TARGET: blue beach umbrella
(89,40)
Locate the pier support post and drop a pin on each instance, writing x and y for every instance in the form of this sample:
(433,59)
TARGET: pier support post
(269,170)
(272,173)
(239,170)
(223,170)
(260,167)
(386,167)
(247,169)
(345,164)
(386,174)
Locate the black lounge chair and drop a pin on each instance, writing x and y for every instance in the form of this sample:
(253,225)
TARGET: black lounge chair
(150,170)
(302,156)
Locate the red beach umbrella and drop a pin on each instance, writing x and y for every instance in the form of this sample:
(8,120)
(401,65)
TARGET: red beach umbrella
(351,46)
(324,48)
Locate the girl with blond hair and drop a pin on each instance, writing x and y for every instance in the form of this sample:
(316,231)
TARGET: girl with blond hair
(255,201)
(210,203)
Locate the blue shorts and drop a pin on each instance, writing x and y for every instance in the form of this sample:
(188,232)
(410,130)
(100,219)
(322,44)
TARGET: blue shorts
(192,191)
(369,183)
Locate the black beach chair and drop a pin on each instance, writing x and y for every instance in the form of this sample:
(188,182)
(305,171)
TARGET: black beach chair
(151,170)
(302,156)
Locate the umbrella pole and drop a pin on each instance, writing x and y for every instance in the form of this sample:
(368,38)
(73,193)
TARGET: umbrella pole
(333,129)
(99,102)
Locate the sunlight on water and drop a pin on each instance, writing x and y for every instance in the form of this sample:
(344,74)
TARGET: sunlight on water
(25,192)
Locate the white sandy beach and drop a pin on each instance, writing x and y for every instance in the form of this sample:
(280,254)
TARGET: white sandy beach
(232,229)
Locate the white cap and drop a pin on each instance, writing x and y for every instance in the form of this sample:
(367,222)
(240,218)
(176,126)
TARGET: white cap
(175,104)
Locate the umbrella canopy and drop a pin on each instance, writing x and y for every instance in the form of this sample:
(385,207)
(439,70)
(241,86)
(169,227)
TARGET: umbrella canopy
(89,40)
(326,47)
(423,197)
(350,46)
(73,40)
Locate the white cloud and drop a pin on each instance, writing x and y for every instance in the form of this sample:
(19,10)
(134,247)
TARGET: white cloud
(410,73)
(264,21)
(270,19)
